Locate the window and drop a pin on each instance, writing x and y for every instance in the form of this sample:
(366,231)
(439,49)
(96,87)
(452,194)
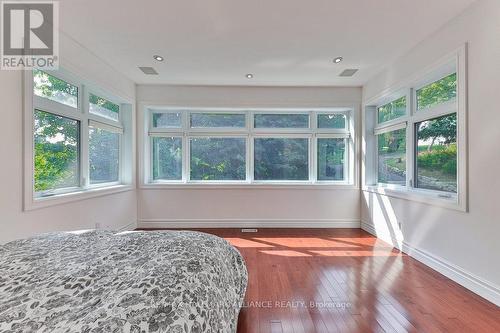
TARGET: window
(218,158)
(167,120)
(104,154)
(392,110)
(54,89)
(57,152)
(217,120)
(331,159)
(103,108)
(436,154)
(392,157)
(281,121)
(167,158)
(281,158)
(438,92)
(75,148)
(332,120)
(423,152)
(249,146)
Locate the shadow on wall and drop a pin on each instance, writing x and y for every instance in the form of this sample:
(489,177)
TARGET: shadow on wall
(398,222)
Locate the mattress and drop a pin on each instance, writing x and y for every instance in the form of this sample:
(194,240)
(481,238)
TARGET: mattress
(98,281)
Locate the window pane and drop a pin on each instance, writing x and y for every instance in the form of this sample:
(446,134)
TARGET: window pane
(438,92)
(104,155)
(281,120)
(437,154)
(167,158)
(392,157)
(332,120)
(281,159)
(218,158)
(48,86)
(392,110)
(203,120)
(56,141)
(167,120)
(331,153)
(103,107)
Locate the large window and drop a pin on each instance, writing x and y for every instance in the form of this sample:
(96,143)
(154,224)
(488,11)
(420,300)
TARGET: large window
(221,146)
(420,149)
(77,136)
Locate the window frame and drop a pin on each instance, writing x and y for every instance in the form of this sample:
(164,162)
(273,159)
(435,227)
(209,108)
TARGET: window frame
(249,132)
(456,62)
(32,102)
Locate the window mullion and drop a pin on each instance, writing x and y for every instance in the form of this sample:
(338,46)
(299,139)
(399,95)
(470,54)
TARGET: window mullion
(84,138)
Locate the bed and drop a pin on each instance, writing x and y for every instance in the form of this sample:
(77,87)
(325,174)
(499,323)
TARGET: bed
(100,281)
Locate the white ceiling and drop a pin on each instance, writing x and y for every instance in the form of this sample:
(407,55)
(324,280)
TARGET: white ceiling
(282,42)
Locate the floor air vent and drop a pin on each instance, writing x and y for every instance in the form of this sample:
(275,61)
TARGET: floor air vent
(249,230)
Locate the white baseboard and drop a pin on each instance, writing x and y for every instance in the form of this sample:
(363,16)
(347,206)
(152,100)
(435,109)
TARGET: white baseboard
(477,285)
(246,223)
(129,227)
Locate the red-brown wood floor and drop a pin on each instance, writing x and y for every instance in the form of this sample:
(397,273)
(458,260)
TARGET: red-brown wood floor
(346,280)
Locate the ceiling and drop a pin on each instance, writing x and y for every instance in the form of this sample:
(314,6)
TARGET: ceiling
(281,42)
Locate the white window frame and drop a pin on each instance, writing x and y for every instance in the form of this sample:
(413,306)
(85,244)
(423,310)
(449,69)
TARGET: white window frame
(32,102)
(454,63)
(249,132)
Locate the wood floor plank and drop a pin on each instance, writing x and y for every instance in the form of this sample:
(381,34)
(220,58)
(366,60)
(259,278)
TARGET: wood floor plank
(380,288)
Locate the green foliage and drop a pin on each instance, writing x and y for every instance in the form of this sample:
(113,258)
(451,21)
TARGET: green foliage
(281,159)
(392,110)
(437,92)
(104,156)
(443,128)
(51,87)
(218,159)
(331,159)
(104,103)
(336,120)
(56,151)
(217,120)
(443,159)
(392,142)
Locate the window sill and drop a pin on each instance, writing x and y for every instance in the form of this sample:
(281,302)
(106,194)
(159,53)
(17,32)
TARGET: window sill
(58,199)
(433,198)
(263,185)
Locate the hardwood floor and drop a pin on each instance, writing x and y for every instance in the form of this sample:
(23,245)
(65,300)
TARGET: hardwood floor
(345,280)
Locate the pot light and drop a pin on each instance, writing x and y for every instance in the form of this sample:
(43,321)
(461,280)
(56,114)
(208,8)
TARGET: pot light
(338,60)
(158,58)
(249,76)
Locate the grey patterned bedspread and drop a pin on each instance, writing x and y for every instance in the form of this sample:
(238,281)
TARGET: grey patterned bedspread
(99,281)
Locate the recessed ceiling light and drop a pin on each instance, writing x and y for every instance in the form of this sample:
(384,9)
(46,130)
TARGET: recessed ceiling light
(338,60)
(158,58)
(249,76)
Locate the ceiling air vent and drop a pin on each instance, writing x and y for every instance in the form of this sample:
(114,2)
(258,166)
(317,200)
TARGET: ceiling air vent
(148,70)
(348,72)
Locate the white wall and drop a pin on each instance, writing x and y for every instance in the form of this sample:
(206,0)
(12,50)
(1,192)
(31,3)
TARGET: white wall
(111,211)
(454,242)
(248,206)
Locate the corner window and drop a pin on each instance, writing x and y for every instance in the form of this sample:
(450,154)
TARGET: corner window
(423,153)
(76,146)
(252,147)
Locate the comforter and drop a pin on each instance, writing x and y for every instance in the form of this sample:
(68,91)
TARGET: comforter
(98,281)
